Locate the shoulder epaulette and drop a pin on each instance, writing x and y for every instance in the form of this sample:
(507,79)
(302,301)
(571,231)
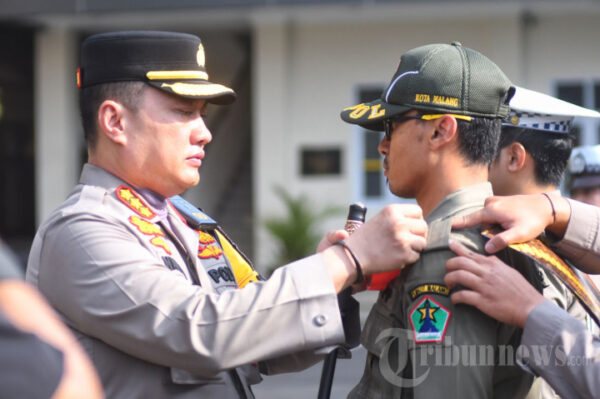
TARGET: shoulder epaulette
(192,215)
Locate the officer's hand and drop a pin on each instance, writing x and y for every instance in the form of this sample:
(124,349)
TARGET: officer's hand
(393,238)
(494,288)
(523,217)
(331,237)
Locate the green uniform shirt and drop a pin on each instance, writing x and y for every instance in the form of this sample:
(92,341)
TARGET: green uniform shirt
(421,345)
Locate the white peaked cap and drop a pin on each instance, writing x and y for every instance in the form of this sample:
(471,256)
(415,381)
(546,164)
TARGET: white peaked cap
(534,110)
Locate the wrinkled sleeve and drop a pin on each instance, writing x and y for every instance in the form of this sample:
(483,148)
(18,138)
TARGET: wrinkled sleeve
(107,285)
(560,349)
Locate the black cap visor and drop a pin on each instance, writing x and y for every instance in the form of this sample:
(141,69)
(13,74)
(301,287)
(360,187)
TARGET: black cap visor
(372,114)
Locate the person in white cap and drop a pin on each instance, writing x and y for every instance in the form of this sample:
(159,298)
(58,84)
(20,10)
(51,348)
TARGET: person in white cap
(532,156)
(584,172)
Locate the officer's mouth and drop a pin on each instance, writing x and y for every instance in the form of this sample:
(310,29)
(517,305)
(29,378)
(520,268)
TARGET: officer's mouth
(195,160)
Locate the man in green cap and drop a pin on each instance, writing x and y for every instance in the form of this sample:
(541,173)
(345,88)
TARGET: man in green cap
(441,114)
(149,284)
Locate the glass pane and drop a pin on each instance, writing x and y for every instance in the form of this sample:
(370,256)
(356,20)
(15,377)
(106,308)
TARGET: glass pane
(372,140)
(572,92)
(597,95)
(373,184)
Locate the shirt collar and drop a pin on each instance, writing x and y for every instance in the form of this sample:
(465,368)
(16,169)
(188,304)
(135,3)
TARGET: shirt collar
(460,200)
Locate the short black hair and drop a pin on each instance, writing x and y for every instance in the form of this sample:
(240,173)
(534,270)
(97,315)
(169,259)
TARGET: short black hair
(478,139)
(550,151)
(90,98)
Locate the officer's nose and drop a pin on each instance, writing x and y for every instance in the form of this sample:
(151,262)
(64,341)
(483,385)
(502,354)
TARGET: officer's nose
(201,135)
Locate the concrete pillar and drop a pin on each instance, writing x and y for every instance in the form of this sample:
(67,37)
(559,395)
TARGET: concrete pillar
(58,140)
(270,147)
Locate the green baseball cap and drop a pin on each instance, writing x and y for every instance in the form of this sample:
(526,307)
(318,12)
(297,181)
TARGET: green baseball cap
(444,78)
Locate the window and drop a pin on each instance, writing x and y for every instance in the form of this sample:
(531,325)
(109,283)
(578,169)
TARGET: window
(321,161)
(586,93)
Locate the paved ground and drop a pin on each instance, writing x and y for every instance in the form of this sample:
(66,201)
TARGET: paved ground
(305,385)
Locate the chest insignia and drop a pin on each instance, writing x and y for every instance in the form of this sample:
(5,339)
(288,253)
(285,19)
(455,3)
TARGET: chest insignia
(429,288)
(429,320)
(134,202)
(205,249)
(150,229)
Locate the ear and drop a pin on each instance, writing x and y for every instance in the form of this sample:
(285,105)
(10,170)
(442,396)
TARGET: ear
(444,132)
(516,157)
(111,121)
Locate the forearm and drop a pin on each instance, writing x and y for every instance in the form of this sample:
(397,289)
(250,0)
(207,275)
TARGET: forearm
(570,352)
(580,241)
(26,308)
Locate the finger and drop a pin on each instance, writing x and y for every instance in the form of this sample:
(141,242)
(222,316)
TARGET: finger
(411,210)
(410,256)
(418,243)
(468,297)
(460,250)
(470,220)
(331,237)
(500,241)
(337,235)
(462,277)
(417,226)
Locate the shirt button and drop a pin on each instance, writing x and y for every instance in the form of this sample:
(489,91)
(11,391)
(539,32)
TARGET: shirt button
(320,320)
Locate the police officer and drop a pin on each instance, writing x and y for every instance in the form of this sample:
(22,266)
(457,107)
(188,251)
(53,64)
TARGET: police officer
(441,114)
(584,170)
(532,156)
(148,283)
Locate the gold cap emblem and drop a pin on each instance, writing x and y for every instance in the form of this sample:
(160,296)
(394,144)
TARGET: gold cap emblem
(200,59)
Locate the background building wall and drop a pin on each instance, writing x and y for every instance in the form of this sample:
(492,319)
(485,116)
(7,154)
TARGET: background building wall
(296,67)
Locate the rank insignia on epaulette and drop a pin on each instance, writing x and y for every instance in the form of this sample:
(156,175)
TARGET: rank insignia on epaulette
(150,229)
(130,198)
(429,320)
(209,251)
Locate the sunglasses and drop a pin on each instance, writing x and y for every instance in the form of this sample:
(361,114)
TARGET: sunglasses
(388,124)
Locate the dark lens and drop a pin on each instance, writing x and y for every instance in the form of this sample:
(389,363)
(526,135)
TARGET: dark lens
(387,126)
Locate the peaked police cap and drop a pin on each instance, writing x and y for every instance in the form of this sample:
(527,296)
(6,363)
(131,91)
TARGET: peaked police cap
(171,62)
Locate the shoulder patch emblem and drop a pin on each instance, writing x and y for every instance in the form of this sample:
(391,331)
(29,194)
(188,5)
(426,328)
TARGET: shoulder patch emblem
(130,198)
(429,288)
(429,320)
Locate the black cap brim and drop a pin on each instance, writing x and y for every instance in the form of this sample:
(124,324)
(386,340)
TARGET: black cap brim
(372,114)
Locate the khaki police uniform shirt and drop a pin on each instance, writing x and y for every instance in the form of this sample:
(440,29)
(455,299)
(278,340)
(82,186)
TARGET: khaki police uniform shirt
(420,345)
(149,331)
